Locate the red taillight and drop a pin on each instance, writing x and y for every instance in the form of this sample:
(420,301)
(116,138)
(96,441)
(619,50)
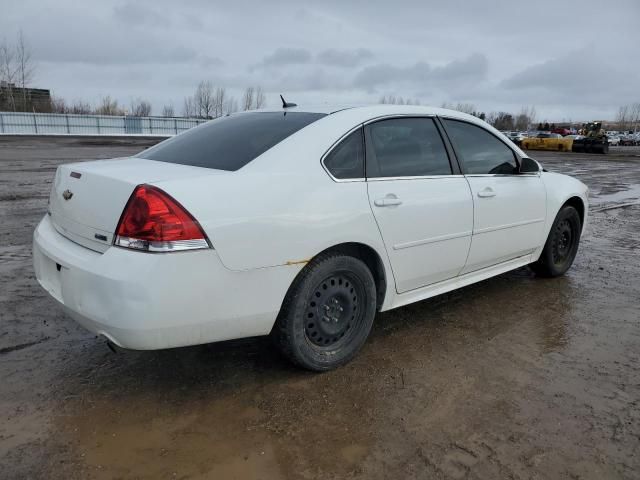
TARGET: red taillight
(155,222)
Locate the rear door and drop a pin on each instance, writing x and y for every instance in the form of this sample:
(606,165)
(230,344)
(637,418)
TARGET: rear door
(509,207)
(422,206)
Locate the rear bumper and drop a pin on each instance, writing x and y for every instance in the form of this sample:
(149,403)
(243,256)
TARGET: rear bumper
(151,301)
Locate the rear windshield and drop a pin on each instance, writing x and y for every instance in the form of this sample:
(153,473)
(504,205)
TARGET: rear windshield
(229,143)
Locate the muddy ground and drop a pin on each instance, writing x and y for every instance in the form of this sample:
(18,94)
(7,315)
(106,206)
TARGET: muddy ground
(515,377)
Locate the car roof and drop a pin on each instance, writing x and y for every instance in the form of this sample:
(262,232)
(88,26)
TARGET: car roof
(372,110)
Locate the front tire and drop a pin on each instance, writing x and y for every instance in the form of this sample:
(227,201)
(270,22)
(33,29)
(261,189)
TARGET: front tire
(561,246)
(328,313)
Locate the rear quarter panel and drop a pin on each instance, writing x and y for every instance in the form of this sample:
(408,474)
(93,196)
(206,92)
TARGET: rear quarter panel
(282,208)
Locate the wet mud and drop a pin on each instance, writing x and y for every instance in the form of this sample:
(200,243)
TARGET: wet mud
(515,377)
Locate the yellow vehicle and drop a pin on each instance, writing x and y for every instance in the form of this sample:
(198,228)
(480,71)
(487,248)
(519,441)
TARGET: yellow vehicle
(547,141)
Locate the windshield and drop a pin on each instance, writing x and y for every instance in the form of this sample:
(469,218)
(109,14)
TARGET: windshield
(230,142)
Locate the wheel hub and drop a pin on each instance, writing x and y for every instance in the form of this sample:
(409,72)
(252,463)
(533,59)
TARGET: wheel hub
(332,311)
(563,243)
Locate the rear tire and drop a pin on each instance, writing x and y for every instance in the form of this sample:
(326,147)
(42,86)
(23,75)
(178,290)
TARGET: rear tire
(328,313)
(561,246)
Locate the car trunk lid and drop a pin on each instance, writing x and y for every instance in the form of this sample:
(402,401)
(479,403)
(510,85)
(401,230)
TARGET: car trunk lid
(87,199)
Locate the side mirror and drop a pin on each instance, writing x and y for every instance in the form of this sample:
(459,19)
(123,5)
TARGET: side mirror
(528,165)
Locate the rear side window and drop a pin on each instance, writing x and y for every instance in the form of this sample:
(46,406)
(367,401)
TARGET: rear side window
(480,151)
(229,143)
(405,147)
(346,160)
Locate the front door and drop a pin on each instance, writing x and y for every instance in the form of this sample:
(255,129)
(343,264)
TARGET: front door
(424,211)
(509,207)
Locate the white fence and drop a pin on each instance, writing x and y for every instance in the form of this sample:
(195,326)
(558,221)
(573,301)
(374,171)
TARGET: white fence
(53,123)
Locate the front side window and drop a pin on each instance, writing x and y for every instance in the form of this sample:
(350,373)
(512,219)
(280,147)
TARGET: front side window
(230,142)
(346,160)
(405,147)
(479,150)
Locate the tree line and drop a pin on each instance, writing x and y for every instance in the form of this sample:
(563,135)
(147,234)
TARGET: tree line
(213,102)
(500,120)
(628,117)
(206,102)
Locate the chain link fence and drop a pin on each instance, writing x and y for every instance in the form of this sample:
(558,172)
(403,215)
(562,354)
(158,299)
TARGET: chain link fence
(68,124)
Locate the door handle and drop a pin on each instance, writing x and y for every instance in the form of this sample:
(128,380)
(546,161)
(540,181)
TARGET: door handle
(487,192)
(388,201)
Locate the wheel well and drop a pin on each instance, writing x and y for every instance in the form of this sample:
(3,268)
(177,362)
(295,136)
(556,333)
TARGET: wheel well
(373,261)
(578,204)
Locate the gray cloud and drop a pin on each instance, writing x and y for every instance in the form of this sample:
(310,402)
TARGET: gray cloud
(330,51)
(286,56)
(384,74)
(344,58)
(582,71)
(474,68)
(137,15)
(421,75)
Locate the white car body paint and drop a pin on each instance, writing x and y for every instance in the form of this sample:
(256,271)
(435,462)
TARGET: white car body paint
(266,220)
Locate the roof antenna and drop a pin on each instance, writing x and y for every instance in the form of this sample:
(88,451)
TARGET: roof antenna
(287,104)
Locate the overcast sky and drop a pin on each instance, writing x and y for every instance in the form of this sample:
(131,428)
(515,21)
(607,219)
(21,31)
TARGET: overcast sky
(572,60)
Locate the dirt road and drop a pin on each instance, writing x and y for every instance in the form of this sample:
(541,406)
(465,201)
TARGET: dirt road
(516,377)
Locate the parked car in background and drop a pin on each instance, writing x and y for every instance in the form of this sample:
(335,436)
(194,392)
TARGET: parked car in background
(516,137)
(547,141)
(299,223)
(613,140)
(628,140)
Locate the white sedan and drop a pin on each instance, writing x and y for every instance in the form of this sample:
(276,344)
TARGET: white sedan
(613,140)
(299,223)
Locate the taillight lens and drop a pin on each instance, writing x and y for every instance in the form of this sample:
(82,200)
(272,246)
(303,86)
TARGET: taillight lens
(154,222)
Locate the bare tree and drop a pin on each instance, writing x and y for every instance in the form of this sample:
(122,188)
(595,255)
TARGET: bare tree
(219,102)
(80,108)
(109,106)
(25,68)
(58,105)
(7,76)
(16,74)
(622,118)
(526,117)
(393,100)
(189,107)
(230,106)
(140,108)
(469,108)
(260,98)
(635,116)
(628,117)
(168,111)
(503,121)
(204,101)
(247,99)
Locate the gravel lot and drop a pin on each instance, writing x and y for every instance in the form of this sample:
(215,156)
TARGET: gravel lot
(515,377)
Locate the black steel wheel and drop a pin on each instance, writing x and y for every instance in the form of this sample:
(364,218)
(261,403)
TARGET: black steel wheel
(327,313)
(563,240)
(562,244)
(332,311)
